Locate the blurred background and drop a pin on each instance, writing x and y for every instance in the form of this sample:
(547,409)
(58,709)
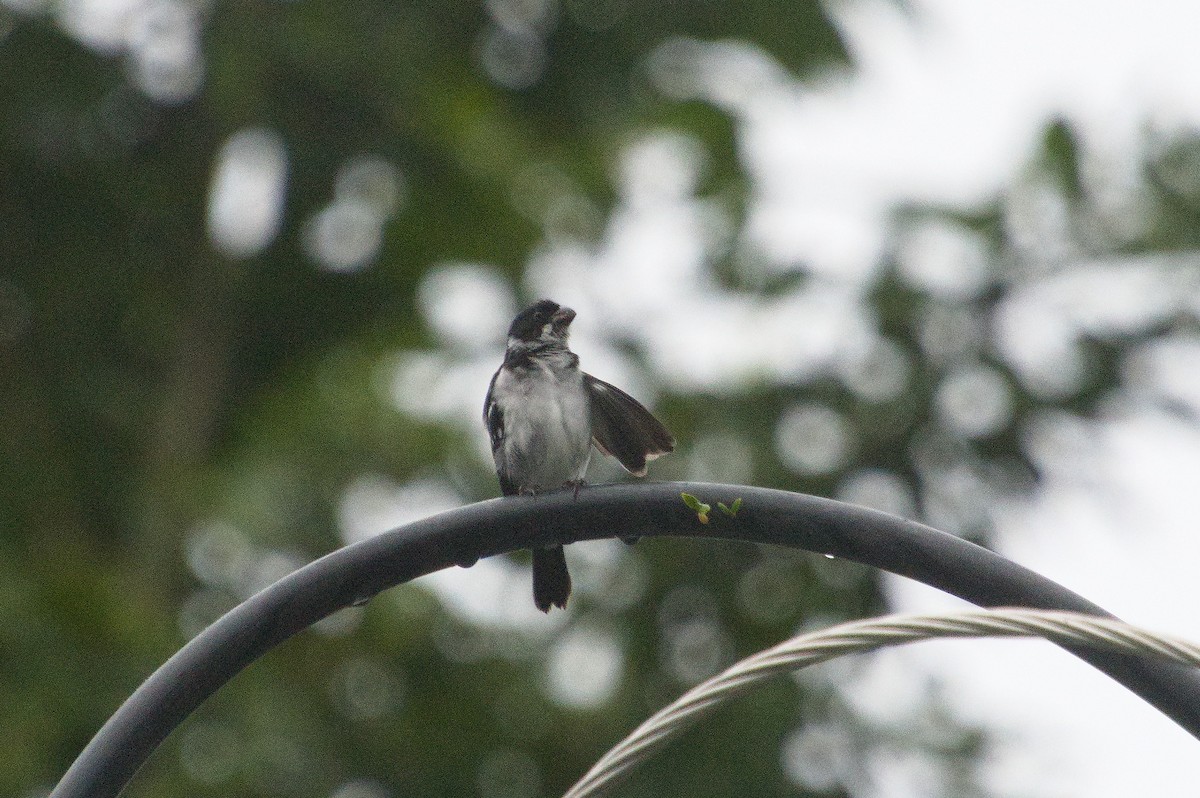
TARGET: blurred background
(256,265)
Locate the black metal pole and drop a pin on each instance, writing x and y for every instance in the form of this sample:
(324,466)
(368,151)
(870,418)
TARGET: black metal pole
(355,573)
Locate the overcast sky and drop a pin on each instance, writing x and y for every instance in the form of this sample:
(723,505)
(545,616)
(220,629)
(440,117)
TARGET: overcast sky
(949,103)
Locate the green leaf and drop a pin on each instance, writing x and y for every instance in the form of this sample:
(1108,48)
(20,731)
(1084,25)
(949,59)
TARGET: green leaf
(730,511)
(700,507)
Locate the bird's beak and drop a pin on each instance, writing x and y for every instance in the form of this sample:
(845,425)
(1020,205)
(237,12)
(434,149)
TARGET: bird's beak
(562,318)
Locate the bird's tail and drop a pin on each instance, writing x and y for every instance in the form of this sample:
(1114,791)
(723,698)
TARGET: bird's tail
(551,580)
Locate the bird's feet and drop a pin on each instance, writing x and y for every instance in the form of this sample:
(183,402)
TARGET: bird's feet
(576,484)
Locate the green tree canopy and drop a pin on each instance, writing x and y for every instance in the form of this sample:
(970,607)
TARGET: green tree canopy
(257,263)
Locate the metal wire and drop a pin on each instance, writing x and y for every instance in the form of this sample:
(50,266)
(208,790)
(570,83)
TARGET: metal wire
(868,635)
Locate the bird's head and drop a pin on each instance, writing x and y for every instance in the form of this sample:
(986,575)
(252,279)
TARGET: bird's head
(543,322)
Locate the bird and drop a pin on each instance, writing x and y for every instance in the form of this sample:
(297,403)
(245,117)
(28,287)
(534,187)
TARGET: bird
(544,416)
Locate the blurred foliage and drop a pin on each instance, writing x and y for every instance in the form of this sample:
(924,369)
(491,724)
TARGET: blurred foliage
(160,397)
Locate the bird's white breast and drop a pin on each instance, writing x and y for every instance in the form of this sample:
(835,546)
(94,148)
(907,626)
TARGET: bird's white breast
(547,425)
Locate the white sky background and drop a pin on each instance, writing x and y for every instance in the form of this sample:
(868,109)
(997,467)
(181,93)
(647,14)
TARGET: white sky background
(1123,535)
(945,107)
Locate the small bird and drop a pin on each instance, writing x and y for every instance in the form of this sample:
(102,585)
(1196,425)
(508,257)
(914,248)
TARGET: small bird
(543,415)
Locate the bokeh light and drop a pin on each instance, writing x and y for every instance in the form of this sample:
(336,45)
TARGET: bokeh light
(975,401)
(721,457)
(944,259)
(364,689)
(771,591)
(819,757)
(373,504)
(347,234)
(247,193)
(585,667)
(878,489)
(813,439)
(220,554)
(1166,371)
(469,306)
(878,372)
(693,641)
(513,58)
(610,573)
(164,45)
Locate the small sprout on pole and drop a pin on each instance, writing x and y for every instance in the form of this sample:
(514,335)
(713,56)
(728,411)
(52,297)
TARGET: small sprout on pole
(700,507)
(732,509)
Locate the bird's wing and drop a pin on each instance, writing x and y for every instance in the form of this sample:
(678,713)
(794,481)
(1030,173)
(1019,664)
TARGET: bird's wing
(623,428)
(493,415)
(493,419)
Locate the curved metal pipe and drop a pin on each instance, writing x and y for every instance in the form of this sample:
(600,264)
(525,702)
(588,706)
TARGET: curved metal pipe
(355,573)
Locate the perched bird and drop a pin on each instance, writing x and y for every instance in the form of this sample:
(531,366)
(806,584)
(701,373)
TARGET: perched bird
(543,415)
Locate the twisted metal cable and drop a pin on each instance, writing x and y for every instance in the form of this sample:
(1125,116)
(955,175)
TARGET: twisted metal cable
(869,635)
